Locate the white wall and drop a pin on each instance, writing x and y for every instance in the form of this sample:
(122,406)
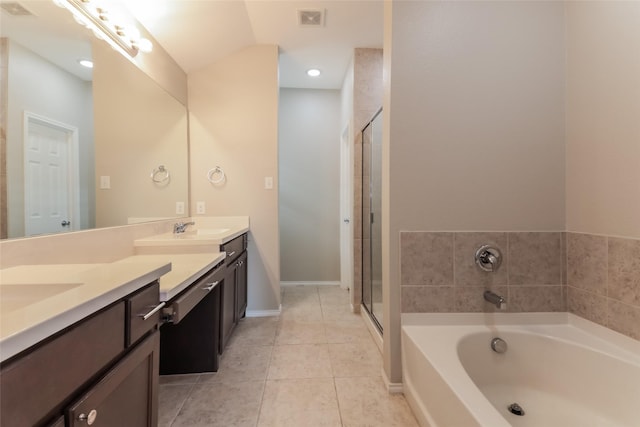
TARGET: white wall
(38,86)
(474,126)
(309,168)
(233,123)
(603,118)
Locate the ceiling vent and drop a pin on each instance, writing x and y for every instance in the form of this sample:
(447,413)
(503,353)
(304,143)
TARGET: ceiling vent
(16,9)
(311,17)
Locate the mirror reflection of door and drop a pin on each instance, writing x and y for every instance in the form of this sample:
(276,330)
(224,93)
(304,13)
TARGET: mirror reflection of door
(51,171)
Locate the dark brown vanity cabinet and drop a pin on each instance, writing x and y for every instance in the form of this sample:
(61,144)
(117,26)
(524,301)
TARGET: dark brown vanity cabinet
(190,339)
(106,363)
(234,290)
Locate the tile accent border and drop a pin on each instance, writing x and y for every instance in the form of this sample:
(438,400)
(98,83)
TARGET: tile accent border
(595,277)
(439,275)
(604,281)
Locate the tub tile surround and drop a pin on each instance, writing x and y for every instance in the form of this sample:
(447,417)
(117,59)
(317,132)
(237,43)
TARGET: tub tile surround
(595,277)
(439,274)
(603,279)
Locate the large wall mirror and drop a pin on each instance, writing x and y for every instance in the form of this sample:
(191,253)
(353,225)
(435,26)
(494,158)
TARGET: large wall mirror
(82,148)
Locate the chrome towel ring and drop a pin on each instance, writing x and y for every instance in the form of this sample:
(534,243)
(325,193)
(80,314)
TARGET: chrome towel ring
(216,175)
(160,174)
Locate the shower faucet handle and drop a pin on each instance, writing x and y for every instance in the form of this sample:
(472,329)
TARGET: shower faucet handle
(488,258)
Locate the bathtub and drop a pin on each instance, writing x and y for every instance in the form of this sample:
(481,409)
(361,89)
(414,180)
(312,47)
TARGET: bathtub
(562,370)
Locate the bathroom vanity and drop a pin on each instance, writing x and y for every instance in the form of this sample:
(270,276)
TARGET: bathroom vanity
(80,346)
(202,308)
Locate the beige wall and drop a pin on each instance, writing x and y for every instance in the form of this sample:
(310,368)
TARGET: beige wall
(474,124)
(603,163)
(603,118)
(138,126)
(233,123)
(309,190)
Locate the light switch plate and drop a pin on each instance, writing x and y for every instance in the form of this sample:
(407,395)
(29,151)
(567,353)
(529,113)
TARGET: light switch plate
(268,183)
(200,208)
(179,208)
(105,182)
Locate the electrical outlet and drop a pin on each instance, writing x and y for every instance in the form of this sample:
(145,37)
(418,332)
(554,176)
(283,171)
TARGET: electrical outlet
(268,183)
(200,208)
(179,208)
(105,182)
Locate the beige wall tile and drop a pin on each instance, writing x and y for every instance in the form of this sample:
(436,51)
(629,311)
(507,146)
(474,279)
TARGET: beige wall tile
(470,299)
(563,257)
(427,299)
(535,258)
(426,258)
(624,270)
(535,298)
(467,273)
(587,304)
(587,262)
(623,318)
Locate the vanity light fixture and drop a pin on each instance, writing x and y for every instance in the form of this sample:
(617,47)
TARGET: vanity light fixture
(126,41)
(314,72)
(85,63)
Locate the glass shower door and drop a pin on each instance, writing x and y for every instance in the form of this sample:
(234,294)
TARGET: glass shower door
(371,216)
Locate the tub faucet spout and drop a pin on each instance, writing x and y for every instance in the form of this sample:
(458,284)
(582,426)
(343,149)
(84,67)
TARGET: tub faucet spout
(499,301)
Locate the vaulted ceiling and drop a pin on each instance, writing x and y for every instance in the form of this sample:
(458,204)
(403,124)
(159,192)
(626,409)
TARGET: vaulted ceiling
(199,32)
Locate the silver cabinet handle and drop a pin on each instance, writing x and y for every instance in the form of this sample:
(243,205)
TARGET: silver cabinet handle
(210,286)
(90,419)
(231,253)
(152,312)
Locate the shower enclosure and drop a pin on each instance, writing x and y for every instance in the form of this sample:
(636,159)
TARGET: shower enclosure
(371,215)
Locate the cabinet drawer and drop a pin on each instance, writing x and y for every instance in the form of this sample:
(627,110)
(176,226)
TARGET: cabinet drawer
(234,248)
(126,395)
(35,386)
(143,312)
(186,301)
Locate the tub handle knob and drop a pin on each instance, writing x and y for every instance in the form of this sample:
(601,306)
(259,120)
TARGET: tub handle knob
(488,258)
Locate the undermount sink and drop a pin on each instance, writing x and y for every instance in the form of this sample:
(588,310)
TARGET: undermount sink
(17,296)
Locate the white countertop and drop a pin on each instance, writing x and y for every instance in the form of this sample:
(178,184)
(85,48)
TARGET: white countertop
(37,301)
(40,300)
(206,231)
(185,269)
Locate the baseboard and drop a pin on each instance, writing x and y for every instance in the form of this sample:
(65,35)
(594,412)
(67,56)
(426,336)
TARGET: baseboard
(392,388)
(264,313)
(310,283)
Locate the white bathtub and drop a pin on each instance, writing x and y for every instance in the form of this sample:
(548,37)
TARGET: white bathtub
(564,371)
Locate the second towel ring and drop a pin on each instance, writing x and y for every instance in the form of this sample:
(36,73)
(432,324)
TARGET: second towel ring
(216,175)
(160,174)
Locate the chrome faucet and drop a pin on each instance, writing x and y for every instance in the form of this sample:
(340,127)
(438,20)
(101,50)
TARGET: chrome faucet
(180,227)
(499,301)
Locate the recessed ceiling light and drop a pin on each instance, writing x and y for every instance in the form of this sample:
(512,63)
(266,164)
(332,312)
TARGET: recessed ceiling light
(314,72)
(85,63)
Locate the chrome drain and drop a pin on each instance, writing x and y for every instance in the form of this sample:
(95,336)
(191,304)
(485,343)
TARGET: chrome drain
(516,409)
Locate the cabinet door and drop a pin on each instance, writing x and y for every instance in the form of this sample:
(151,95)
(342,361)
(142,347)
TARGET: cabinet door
(228,306)
(126,396)
(241,286)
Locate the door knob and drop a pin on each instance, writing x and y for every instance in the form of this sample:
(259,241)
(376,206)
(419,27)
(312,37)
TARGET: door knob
(346,220)
(65,223)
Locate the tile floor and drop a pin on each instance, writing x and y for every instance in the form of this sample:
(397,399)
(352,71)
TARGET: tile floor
(315,365)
